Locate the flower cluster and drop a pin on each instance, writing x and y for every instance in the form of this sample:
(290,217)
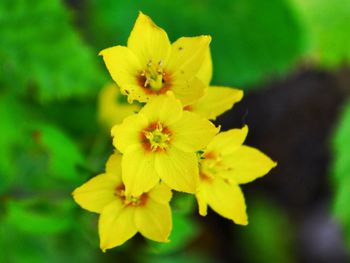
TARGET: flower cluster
(170,142)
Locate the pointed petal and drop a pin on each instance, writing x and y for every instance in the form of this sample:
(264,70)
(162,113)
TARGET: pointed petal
(113,165)
(225,199)
(161,193)
(188,91)
(153,220)
(148,41)
(122,64)
(165,108)
(248,164)
(228,141)
(128,132)
(138,171)
(116,225)
(178,169)
(98,192)
(192,132)
(216,101)
(205,72)
(201,200)
(187,56)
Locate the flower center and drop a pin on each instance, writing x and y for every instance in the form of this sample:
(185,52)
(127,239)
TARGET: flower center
(211,165)
(156,137)
(130,200)
(154,78)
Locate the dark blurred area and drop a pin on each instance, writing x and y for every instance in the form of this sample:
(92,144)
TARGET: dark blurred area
(291,58)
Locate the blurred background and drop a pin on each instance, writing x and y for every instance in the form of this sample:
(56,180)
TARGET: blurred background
(291,58)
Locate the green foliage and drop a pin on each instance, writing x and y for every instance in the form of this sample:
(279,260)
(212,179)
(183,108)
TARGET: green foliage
(268,234)
(34,217)
(327,22)
(41,54)
(185,230)
(252,40)
(63,153)
(12,117)
(341,170)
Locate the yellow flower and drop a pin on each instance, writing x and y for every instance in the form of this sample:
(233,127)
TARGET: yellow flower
(225,165)
(112,107)
(150,65)
(121,215)
(160,142)
(216,99)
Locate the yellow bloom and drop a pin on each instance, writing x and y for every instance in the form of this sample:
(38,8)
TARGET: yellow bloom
(160,142)
(216,99)
(121,215)
(227,163)
(150,65)
(112,108)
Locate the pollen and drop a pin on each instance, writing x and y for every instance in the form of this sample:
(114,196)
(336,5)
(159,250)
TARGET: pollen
(130,200)
(156,137)
(154,79)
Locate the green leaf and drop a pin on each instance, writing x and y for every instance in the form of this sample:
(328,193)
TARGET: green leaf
(64,155)
(252,40)
(328,25)
(41,54)
(38,217)
(341,171)
(12,118)
(264,235)
(185,230)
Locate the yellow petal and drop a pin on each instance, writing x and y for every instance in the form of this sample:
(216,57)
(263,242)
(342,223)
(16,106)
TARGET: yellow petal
(116,225)
(187,56)
(225,199)
(138,171)
(205,72)
(153,220)
(192,132)
(188,91)
(161,193)
(165,108)
(110,110)
(216,101)
(178,169)
(113,165)
(95,194)
(228,141)
(248,164)
(202,202)
(148,41)
(127,133)
(122,64)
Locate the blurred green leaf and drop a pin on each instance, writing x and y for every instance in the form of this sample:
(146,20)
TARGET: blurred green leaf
(341,170)
(185,230)
(328,24)
(12,118)
(264,235)
(64,155)
(191,257)
(35,217)
(252,39)
(183,203)
(41,54)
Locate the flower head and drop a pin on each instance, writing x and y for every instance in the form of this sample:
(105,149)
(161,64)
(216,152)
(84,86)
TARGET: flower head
(226,164)
(160,142)
(150,65)
(122,215)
